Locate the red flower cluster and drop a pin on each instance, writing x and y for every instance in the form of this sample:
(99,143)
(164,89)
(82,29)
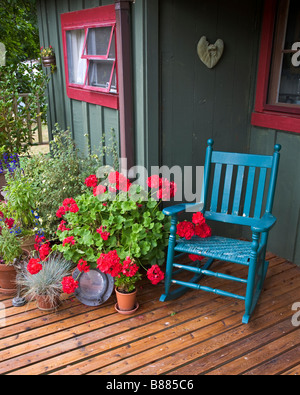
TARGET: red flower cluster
(69,240)
(99,190)
(195,258)
(62,226)
(91,181)
(42,246)
(44,251)
(119,182)
(110,263)
(155,275)
(83,266)
(129,267)
(198,227)
(69,204)
(9,222)
(186,230)
(104,234)
(166,189)
(69,285)
(34,266)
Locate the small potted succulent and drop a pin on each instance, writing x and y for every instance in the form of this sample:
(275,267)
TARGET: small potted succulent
(48,56)
(11,256)
(42,280)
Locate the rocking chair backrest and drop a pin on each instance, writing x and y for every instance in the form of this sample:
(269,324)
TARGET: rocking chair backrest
(242,184)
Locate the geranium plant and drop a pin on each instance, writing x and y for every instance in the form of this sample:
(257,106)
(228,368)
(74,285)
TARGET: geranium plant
(116,226)
(48,51)
(196,227)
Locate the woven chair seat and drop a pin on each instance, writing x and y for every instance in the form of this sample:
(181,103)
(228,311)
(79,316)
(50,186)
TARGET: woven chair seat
(217,247)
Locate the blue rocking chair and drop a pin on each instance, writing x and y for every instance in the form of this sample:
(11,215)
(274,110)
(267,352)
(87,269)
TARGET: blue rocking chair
(237,195)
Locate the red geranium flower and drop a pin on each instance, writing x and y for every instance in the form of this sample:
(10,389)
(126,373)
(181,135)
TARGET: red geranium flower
(83,266)
(195,258)
(91,181)
(62,226)
(203,230)
(121,182)
(186,230)
(60,212)
(69,285)
(34,266)
(129,267)
(155,275)
(104,234)
(110,263)
(67,202)
(198,218)
(99,190)
(9,222)
(154,181)
(44,251)
(69,240)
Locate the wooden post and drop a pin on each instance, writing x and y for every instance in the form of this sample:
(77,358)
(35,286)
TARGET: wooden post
(2,54)
(124,60)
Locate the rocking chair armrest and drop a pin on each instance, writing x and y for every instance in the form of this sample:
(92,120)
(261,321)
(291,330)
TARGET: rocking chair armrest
(264,224)
(178,208)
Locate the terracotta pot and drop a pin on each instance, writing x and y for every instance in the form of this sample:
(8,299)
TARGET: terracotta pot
(45,303)
(126,302)
(28,243)
(2,184)
(48,61)
(8,275)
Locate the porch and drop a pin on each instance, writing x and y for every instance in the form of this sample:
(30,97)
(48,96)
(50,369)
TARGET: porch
(200,333)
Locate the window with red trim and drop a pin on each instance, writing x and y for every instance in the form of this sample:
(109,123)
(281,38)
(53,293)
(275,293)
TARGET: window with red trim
(89,42)
(277,104)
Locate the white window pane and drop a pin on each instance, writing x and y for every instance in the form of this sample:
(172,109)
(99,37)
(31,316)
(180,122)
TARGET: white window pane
(76,65)
(98,40)
(290,75)
(99,73)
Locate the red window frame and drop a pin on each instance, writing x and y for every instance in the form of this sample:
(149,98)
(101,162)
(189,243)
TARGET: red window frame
(85,19)
(267,115)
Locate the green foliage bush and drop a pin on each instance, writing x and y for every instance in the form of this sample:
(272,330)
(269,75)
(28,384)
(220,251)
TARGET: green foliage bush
(56,176)
(16,115)
(136,227)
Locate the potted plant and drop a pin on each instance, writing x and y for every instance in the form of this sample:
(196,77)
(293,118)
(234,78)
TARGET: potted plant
(48,57)
(11,255)
(42,280)
(126,274)
(115,222)
(112,216)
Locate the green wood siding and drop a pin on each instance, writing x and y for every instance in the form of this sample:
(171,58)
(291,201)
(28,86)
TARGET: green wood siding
(178,102)
(198,103)
(284,238)
(88,122)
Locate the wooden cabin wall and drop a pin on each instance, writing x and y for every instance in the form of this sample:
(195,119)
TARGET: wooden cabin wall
(198,103)
(90,124)
(284,238)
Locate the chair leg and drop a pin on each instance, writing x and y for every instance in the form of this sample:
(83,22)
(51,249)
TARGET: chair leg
(170,258)
(256,277)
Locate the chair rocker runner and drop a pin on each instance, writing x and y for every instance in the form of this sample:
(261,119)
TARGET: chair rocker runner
(237,197)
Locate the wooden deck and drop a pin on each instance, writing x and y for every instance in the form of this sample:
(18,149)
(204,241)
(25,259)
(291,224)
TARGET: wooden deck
(201,333)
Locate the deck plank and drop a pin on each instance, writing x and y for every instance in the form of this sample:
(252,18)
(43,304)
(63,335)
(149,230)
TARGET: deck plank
(200,333)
